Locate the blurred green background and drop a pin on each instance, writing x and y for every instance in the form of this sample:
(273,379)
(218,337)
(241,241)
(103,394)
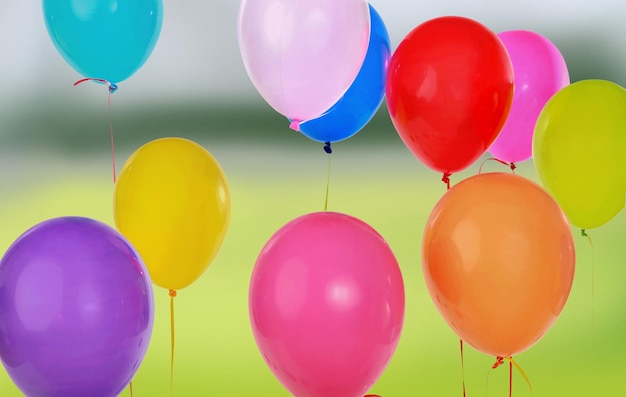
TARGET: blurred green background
(276,175)
(55,161)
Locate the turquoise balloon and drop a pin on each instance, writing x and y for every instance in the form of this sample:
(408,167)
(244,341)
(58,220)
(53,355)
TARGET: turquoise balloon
(104,39)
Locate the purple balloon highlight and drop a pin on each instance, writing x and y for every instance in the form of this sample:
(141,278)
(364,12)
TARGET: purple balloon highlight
(76,310)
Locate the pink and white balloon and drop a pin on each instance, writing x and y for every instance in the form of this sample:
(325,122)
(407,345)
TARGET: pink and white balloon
(302,56)
(326,305)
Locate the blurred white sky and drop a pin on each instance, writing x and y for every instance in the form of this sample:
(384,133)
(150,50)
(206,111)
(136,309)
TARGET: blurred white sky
(197,56)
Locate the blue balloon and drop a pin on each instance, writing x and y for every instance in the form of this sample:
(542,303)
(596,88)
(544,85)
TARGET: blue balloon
(104,39)
(361,101)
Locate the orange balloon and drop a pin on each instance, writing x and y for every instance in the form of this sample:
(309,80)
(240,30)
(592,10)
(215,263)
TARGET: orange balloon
(498,258)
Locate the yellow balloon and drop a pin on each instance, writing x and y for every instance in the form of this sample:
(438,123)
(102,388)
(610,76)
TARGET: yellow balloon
(579,151)
(172,202)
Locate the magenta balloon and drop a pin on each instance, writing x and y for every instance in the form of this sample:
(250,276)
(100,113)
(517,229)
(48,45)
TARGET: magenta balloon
(326,305)
(76,310)
(540,71)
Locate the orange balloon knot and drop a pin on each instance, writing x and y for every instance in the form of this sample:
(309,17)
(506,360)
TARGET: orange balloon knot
(112,87)
(446,179)
(295,125)
(499,362)
(173,293)
(327,148)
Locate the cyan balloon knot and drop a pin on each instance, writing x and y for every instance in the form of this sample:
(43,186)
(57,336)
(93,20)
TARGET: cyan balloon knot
(111,86)
(327,148)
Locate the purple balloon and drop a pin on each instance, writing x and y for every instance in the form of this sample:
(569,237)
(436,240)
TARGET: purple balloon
(76,310)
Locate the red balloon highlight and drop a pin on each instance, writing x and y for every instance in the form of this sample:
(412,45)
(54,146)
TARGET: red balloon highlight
(449,91)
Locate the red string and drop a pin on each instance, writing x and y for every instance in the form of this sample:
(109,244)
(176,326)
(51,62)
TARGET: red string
(510,165)
(112,140)
(462,367)
(112,88)
(510,378)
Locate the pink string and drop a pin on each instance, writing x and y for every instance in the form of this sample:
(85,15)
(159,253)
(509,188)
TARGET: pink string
(510,165)
(112,88)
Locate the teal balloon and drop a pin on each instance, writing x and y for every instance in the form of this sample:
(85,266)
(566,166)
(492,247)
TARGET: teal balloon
(104,39)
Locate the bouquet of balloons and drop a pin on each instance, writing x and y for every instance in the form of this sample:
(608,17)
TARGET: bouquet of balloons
(326,296)
(498,254)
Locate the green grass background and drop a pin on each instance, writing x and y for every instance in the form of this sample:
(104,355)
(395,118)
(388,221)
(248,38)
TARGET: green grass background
(57,163)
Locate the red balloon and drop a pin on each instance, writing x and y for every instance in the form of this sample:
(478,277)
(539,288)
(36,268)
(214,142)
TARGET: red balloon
(449,91)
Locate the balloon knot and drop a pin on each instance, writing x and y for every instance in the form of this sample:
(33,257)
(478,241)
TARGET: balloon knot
(583,233)
(499,362)
(327,148)
(446,179)
(295,125)
(172,293)
(111,86)
(513,166)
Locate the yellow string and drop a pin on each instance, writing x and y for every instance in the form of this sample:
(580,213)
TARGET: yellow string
(500,361)
(521,371)
(131,388)
(583,232)
(172,296)
(327,185)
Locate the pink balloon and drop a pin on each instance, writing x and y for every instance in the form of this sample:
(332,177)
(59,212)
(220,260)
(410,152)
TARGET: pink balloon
(540,71)
(327,305)
(302,56)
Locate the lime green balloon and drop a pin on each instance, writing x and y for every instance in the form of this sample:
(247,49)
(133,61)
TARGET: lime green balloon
(579,151)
